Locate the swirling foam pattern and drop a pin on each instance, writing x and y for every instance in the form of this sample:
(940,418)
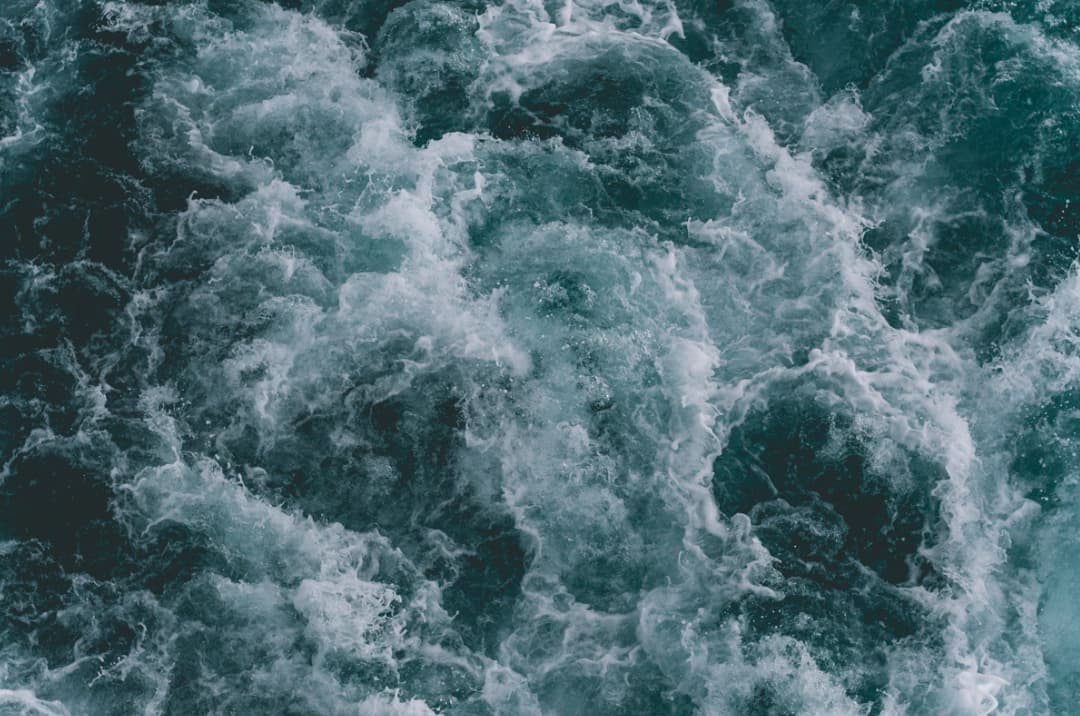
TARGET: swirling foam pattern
(539,357)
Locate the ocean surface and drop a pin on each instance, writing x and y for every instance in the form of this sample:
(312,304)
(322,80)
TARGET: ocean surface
(529,357)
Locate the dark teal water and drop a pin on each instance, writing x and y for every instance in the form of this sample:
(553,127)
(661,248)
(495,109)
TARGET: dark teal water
(539,357)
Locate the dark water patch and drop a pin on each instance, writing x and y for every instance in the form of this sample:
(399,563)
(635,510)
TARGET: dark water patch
(808,469)
(430,56)
(634,114)
(847,538)
(1044,450)
(870,34)
(967,153)
(399,476)
(614,92)
(60,495)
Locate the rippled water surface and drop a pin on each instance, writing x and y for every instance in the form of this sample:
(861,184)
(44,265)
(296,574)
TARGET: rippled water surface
(523,357)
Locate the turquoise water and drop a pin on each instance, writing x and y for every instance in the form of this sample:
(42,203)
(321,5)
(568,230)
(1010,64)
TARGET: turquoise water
(540,357)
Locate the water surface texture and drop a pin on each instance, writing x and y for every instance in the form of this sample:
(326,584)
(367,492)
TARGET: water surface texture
(522,357)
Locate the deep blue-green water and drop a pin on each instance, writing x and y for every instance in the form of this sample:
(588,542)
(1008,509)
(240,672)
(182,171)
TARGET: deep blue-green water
(521,357)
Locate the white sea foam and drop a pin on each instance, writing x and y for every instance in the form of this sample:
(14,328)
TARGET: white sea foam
(591,371)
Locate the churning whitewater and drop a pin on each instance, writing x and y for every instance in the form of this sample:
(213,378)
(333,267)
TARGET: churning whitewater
(522,357)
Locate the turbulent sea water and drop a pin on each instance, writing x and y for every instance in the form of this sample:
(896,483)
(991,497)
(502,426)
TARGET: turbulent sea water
(521,357)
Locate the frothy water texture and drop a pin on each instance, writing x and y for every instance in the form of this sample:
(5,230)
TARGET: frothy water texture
(529,357)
